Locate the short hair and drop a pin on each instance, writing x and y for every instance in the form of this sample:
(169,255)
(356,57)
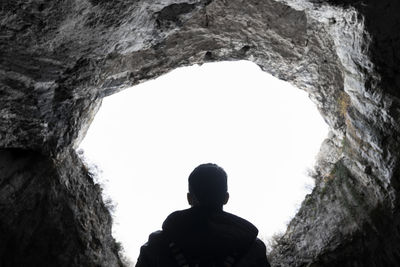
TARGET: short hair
(208,183)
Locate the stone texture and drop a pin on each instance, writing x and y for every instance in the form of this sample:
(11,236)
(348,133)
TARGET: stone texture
(51,213)
(58,59)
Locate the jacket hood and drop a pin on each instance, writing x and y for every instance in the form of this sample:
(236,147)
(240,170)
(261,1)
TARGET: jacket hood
(201,232)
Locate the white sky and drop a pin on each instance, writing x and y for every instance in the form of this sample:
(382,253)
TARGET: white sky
(148,138)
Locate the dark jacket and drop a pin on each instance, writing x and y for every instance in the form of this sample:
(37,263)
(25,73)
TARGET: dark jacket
(198,235)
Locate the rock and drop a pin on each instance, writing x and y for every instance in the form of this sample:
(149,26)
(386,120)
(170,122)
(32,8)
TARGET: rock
(52,214)
(58,59)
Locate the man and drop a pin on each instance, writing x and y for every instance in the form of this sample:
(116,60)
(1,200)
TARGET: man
(204,235)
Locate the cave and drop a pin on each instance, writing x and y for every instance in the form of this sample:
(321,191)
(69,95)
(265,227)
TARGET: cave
(58,59)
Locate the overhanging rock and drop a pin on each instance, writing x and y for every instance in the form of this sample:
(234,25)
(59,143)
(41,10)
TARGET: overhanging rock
(58,59)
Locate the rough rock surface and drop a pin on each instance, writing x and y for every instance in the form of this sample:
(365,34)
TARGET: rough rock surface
(59,58)
(51,213)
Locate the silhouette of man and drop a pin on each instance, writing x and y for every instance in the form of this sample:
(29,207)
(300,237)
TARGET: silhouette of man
(204,235)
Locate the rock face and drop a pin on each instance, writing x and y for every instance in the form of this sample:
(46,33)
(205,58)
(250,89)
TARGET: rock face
(58,59)
(51,213)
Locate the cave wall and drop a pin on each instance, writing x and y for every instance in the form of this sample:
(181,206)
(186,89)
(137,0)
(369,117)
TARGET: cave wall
(58,59)
(52,214)
(351,218)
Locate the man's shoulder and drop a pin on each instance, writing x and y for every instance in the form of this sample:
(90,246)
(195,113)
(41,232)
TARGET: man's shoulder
(177,215)
(155,252)
(238,219)
(156,243)
(156,234)
(255,256)
(155,238)
(237,223)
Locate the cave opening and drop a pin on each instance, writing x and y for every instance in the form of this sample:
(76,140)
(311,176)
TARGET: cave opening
(146,140)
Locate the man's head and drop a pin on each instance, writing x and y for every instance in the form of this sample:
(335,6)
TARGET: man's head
(208,186)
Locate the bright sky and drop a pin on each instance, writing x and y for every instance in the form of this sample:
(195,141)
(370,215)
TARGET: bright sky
(147,139)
